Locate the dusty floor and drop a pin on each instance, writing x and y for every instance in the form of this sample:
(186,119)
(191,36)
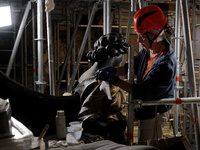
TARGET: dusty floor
(167,133)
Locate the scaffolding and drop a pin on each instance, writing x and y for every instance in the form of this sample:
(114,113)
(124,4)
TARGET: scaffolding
(54,63)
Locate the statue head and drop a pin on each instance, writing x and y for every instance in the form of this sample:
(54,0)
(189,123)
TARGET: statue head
(108,50)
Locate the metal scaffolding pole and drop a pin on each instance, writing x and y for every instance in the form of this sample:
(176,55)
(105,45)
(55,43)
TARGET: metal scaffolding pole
(190,66)
(34,49)
(40,39)
(120,20)
(185,106)
(168,101)
(142,3)
(19,35)
(132,8)
(22,60)
(184,110)
(130,113)
(177,52)
(25,58)
(130,20)
(105,17)
(67,47)
(82,46)
(58,48)
(55,49)
(109,17)
(74,43)
(188,47)
(68,52)
(14,37)
(101,26)
(50,54)
(89,37)
(194,23)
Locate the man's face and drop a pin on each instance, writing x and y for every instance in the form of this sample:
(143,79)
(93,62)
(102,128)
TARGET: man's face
(143,39)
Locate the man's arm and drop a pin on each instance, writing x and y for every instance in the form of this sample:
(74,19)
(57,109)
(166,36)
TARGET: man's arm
(121,71)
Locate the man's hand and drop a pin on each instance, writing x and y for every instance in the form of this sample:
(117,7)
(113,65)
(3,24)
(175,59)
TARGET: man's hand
(104,76)
(110,69)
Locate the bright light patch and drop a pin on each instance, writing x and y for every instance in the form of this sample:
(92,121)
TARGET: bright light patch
(5,16)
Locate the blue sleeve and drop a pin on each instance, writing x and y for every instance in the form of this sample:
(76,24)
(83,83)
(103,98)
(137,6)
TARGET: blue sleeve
(159,83)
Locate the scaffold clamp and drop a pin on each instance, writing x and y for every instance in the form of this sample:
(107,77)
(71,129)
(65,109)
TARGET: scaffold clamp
(40,83)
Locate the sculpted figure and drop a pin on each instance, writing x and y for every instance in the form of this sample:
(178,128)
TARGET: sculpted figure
(102,108)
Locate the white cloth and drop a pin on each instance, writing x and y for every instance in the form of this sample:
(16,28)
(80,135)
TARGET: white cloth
(49,5)
(147,127)
(105,86)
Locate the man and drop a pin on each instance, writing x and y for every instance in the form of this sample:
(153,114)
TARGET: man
(155,67)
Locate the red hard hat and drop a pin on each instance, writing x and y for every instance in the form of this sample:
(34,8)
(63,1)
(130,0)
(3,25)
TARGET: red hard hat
(149,17)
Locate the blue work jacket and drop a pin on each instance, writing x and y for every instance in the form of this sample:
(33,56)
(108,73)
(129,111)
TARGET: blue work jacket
(157,84)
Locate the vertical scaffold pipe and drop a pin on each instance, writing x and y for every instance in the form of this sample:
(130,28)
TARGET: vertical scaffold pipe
(105,17)
(40,39)
(19,35)
(130,20)
(68,51)
(177,52)
(95,6)
(190,66)
(34,52)
(109,18)
(50,54)
(130,113)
